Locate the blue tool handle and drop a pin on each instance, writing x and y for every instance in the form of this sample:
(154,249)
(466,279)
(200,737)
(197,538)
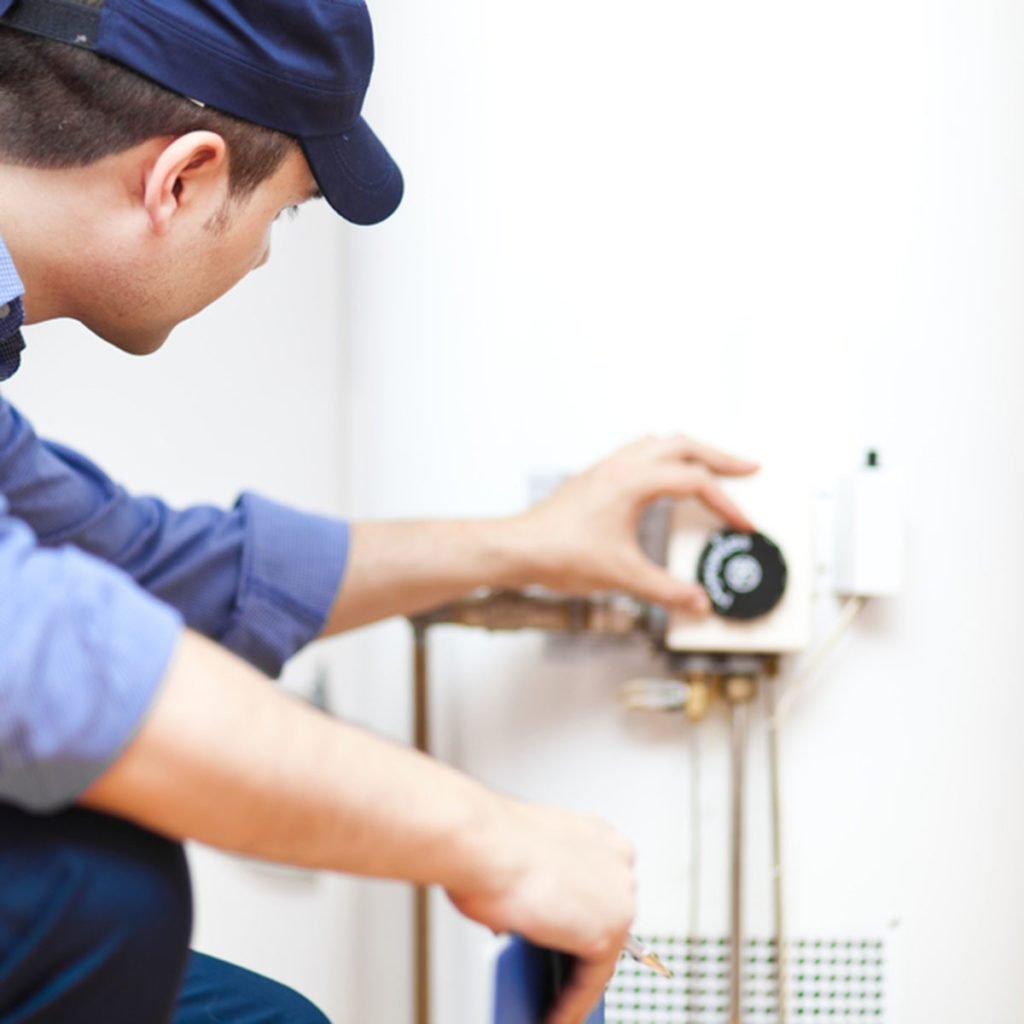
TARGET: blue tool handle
(528,983)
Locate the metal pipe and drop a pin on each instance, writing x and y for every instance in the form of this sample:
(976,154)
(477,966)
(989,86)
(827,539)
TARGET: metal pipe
(781,952)
(695,836)
(693,972)
(738,714)
(601,615)
(421,904)
(739,689)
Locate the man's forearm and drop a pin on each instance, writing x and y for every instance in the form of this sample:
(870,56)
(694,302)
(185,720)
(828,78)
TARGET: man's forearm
(226,759)
(580,539)
(400,568)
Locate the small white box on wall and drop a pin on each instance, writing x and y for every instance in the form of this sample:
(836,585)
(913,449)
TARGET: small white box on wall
(870,538)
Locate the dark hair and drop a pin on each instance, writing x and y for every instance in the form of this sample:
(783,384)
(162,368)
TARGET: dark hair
(61,107)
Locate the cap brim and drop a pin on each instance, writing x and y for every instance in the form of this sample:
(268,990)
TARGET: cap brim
(355,173)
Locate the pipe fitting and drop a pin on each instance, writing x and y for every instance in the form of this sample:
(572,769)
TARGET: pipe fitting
(655,695)
(700,691)
(739,689)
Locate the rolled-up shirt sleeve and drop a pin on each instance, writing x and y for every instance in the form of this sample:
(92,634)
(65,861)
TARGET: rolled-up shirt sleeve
(84,652)
(259,578)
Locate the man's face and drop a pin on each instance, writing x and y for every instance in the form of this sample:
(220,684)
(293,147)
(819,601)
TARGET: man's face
(145,294)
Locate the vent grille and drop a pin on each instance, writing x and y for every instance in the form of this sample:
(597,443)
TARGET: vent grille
(830,980)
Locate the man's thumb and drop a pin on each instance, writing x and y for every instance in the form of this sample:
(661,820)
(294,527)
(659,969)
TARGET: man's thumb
(653,583)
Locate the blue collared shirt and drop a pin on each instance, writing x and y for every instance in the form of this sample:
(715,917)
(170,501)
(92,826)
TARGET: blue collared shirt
(96,586)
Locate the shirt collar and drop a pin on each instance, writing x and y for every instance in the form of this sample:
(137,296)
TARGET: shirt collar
(10,283)
(11,315)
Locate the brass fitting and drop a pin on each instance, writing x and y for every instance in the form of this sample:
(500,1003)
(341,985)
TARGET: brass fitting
(739,689)
(698,697)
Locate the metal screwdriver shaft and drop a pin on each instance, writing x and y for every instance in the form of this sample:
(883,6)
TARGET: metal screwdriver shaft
(642,955)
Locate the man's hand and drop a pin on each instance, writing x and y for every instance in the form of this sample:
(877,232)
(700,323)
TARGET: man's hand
(583,538)
(564,881)
(225,759)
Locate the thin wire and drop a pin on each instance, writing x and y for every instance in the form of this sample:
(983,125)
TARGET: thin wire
(806,678)
(775,783)
(778,709)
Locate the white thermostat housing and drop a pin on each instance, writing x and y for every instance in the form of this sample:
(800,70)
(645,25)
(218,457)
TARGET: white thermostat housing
(703,548)
(870,537)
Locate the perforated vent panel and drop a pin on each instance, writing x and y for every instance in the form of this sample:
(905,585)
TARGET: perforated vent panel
(841,980)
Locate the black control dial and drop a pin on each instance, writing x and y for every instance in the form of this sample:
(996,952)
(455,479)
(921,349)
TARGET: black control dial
(744,574)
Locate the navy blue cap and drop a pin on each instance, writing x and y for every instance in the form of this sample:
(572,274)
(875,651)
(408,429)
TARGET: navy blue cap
(301,67)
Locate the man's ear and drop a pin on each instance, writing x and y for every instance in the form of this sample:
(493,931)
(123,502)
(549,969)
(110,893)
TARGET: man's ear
(190,171)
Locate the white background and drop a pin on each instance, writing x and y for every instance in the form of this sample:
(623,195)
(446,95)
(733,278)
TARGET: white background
(789,227)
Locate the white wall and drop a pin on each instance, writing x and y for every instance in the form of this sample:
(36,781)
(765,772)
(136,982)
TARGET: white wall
(790,227)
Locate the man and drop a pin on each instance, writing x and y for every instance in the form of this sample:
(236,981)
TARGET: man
(146,148)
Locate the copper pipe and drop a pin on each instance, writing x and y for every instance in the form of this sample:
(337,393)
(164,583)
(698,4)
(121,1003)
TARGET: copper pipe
(738,726)
(421,904)
(739,690)
(604,615)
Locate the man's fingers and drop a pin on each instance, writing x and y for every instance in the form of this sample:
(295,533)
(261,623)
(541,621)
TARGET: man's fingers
(715,498)
(585,988)
(682,481)
(685,449)
(653,583)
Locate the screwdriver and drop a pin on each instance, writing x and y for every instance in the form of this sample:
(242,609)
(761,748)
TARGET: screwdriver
(642,955)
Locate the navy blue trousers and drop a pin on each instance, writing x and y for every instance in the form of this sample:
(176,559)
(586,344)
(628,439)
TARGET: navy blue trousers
(95,918)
